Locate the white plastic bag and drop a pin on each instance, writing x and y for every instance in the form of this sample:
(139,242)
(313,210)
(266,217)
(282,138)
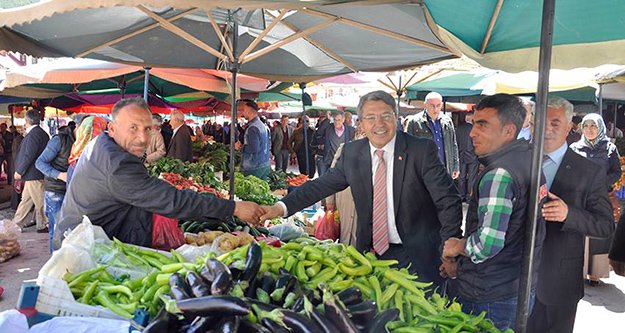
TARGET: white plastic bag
(12,321)
(9,246)
(75,253)
(81,325)
(287,231)
(192,252)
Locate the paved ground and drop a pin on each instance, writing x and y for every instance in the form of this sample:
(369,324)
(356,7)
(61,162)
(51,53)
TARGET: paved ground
(601,310)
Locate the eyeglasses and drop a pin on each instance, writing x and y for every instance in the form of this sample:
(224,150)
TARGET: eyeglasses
(386,117)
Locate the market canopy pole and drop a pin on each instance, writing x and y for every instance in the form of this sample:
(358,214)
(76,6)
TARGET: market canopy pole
(146,83)
(305,128)
(234,69)
(544,65)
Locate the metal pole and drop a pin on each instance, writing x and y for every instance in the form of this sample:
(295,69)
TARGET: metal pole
(601,99)
(399,93)
(146,82)
(544,65)
(234,69)
(305,129)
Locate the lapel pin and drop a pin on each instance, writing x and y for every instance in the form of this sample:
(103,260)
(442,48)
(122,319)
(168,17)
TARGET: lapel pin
(400,158)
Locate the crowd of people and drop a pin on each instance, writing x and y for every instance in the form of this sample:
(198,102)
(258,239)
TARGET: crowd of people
(399,194)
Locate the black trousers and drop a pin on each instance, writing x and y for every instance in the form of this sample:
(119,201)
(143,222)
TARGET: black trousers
(552,318)
(468,175)
(301,162)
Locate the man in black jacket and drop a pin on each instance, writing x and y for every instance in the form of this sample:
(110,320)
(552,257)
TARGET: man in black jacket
(578,207)
(180,144)
(32,146)
(407,204)
(112,187)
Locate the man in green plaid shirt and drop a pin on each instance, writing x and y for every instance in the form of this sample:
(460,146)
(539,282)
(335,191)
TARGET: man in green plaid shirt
(489,257)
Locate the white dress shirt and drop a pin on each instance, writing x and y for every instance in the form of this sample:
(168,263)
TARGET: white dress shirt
(389,159)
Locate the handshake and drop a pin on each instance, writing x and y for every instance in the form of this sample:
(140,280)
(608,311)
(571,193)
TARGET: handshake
(255,214)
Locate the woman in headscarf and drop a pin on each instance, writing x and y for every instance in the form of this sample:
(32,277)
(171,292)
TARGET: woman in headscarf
(89,128)
(596,146)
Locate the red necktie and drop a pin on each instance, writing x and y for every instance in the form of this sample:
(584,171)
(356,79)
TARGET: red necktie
(380,217)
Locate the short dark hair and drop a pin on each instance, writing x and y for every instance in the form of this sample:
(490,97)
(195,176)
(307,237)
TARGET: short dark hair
(284,116)
(33,117)
(122,103)
(510,109)
(377,95)
(250,103)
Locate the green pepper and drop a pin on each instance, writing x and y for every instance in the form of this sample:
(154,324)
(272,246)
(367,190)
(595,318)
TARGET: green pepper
(176,255)
(117,289)
(104,276)
(163,279)
(75,279)
(292,245)
(89,291)
(387,295)
(327,261)
(411,329)
(103,298)
(324,275)
(291,261)
(377,291)
(313,270)
(358,256)
(341,285)
(451,322)
(365,289)
(412,286)
(398,299)
(422,303)
(300,272)
(357,271)
(149,294)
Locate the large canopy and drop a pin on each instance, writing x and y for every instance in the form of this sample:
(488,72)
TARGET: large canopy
(299,41)
(506,34)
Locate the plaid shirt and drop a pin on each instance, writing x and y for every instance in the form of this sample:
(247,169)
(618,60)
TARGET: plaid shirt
(495,195)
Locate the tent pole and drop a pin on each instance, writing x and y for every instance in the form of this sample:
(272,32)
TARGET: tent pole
(234,69)
(601,99)
(305,130)
(146,83)
(544,65)
(399,90)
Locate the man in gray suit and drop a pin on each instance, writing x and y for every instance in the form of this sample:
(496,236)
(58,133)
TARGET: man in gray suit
(280,143)
(434,125)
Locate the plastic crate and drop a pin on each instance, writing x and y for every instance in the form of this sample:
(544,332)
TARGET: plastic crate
(620,193)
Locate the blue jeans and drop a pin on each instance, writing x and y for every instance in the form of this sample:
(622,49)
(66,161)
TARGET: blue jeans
(52,208)
(502,313)
(322,168)
(261,173)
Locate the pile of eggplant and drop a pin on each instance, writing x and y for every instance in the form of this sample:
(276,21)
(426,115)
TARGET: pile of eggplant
(226,299)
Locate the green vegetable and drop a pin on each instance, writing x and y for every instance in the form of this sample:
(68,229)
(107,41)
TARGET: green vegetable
(103,298)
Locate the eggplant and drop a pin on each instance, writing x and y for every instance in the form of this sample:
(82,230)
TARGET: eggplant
(299,304)
(198,287)
(222,283)
(213,268)
(229,325)
(215,305)
(283,271)
(273,326)
(267,282)
(235,272)
(247,327)
(363,313)
(253,261)
(326,325)
(350,296)
(339,317)
(207,275)
(178,293)
(201,324)
(252,286)
(177,280)
(160,324)
(262,306)
(299,324)
(379,322)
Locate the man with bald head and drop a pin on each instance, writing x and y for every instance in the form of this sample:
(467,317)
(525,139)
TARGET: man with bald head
(438,127)
(180,145)
(113,188)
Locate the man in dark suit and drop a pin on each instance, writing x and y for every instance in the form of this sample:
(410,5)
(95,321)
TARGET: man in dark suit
(180,145)
(404,213)
(578,207)
(280,148)
(32,146)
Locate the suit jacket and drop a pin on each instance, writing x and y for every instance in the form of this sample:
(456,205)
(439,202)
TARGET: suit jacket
(427,206)
(180,146)
(276,139)
(419,126)
(560,276)
(32,146)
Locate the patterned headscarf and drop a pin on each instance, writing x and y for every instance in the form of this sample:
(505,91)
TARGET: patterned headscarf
(598,121)
(89,128)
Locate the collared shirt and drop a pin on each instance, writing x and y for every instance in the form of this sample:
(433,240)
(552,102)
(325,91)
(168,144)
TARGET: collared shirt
(176,130)
(29,129)
(495,195)
(525,133)
(339,131)
(551,163)
(437,136)
(389,159)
